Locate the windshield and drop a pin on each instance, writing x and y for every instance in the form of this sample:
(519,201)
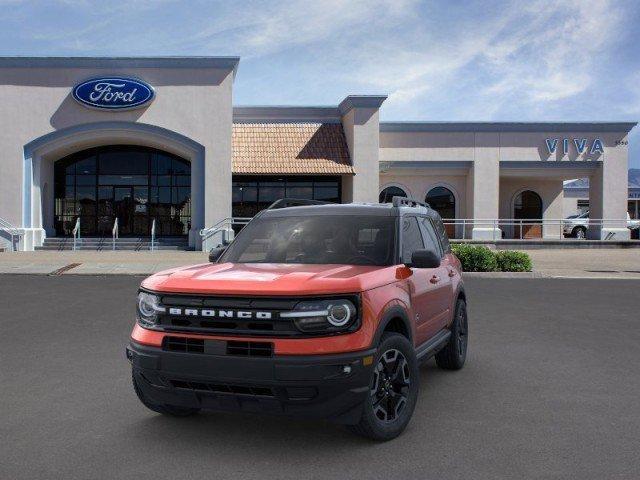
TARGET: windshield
(321,239)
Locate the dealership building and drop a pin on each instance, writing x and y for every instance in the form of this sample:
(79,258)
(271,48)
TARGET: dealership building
(158,141)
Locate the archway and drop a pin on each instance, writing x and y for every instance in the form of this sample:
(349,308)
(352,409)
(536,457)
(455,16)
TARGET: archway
(41,153)
(387,194)
(443,201)
(135,185)
(527,207)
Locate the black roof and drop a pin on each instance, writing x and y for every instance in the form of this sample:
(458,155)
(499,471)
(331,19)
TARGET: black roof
(366,209)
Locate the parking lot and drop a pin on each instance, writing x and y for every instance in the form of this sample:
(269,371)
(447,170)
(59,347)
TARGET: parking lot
(551,390)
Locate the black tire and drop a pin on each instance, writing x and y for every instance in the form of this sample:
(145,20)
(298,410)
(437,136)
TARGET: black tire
(395,383)
(453,356)
(171,410)
(580,232)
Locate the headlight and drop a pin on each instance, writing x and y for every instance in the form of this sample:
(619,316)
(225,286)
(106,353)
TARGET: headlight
(323,316)
(148,309)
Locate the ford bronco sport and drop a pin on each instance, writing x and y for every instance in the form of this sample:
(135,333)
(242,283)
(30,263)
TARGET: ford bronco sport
(321,311)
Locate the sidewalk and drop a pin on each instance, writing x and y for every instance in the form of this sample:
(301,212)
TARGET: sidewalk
(547,263)
(98,263)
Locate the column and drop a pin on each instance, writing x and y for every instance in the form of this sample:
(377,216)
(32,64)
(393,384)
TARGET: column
(608,195)
(361,125)
(485,178)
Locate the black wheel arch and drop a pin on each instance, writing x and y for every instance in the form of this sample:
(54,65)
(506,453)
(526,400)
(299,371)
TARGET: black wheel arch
(461,294)
(395,319)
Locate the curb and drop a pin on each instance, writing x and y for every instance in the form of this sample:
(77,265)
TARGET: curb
(503,275)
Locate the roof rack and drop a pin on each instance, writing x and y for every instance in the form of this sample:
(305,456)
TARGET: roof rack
(294,202)
(408,202)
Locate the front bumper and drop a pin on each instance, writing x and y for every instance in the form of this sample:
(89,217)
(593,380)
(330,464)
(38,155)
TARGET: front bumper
(331,387)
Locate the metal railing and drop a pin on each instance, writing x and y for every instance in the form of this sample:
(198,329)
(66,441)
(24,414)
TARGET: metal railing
(12,232)
(221,232)
(114,234)
(76,234)
(538,228)
(152,247)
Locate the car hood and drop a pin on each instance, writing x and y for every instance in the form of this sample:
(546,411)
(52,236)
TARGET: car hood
(270,279)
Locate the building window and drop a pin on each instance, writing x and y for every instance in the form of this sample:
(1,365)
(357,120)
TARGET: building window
(583,206)
(386,195)
(252,194)
(133,184)
(633,207)
(442,200)
(528,206)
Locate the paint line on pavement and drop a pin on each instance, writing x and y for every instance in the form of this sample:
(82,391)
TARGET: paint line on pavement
(64,269)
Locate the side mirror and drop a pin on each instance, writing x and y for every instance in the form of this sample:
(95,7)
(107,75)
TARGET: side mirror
(425,259)
(216,253)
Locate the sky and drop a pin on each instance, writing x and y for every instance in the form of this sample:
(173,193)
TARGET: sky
(569,60)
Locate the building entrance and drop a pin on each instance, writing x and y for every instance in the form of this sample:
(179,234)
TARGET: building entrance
(132,184)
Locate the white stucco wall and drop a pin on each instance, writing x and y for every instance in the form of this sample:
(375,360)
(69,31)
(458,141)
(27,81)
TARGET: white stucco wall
(195,103)
(505,157)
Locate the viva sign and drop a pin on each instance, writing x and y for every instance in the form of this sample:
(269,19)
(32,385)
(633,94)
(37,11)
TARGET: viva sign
(113,93)
(581,145)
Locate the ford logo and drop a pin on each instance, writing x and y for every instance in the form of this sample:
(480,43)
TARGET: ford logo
(113,93)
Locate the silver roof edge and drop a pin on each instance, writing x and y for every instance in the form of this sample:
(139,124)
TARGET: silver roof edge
(226,63)
(286,114)
(506,126)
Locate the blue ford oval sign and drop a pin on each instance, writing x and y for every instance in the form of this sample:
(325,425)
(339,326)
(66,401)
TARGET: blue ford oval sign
(113,93)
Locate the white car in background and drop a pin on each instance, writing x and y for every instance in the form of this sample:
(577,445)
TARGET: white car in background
(576,225)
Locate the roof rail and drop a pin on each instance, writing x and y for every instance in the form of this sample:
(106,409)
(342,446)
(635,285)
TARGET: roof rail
(408,202)
(294,202)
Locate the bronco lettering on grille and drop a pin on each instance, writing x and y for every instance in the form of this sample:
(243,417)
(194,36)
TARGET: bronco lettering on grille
(241,314)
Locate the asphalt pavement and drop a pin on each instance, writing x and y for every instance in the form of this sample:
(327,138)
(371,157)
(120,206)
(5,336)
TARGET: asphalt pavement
(551,389)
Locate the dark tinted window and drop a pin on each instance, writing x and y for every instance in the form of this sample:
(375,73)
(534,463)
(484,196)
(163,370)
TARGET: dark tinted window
(411,238)
(431,241)
(252,194)
(442,234)
(528,205)
(441,199)
(386,195)
(321,239)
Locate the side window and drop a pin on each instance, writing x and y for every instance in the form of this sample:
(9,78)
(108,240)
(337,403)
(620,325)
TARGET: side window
(411,238)
(430,236)
(442,233)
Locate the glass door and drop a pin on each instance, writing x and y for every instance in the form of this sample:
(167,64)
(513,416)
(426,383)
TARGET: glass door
(123,209)
(140,215)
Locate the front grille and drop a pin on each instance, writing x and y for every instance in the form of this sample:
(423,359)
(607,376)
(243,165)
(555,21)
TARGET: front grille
(181,344)
(250,349)
(217,347)
(223,315)
(223,388)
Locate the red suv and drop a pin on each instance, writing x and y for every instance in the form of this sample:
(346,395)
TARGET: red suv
(321,311)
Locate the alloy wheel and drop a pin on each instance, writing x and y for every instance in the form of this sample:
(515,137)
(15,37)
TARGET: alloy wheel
(391,384)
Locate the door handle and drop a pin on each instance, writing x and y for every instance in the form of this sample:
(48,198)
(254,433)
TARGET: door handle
(435,279)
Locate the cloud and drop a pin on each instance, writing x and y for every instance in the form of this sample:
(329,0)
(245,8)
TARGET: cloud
(536,53)
(263,28)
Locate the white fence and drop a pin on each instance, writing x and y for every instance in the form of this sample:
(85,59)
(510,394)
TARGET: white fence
(10,235)
(222,232)
(491,229)
(541,228)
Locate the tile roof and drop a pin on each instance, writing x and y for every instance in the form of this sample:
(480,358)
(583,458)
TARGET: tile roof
(290,148)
